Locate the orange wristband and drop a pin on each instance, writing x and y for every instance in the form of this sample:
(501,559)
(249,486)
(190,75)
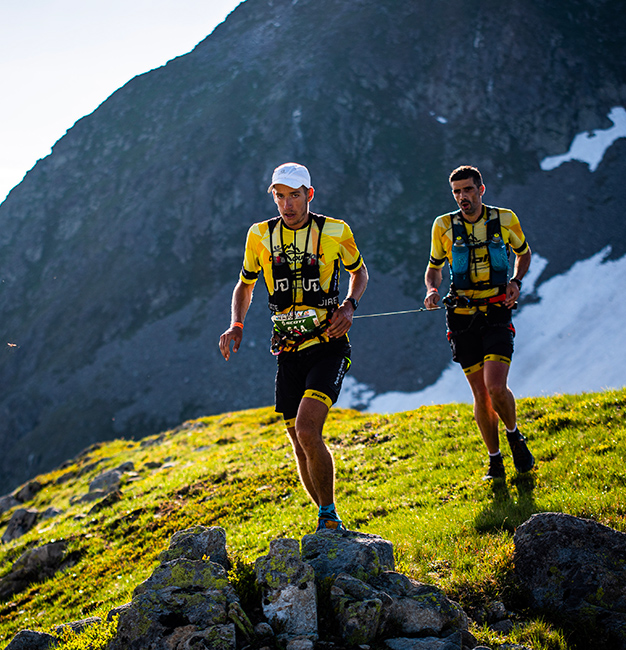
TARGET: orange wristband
(237,324)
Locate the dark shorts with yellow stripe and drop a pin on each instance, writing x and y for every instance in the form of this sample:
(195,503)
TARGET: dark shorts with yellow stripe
(315,372)
(480,337)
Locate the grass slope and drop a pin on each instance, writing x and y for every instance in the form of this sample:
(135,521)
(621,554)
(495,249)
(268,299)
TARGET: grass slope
(413,478)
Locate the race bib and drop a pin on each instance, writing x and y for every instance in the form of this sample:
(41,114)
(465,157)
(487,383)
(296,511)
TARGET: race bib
(296,322)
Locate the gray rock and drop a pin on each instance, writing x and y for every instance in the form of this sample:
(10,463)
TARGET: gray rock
(418,608)
(358,609)
(263,630)
(21,522)
(289,592)
(28,491)
(183,599)
(7,502)
(108,481)
(106,502)
(241,621)
(29,640)
(577,568)
(77,626)
(34,565)
(300,643)
(51,512)
(426,643)
(361,555)
(198,543)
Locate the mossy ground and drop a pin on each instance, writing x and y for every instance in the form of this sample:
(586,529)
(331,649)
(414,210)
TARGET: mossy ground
(413,478)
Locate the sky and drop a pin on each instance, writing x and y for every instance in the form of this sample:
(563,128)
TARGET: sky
(60,59)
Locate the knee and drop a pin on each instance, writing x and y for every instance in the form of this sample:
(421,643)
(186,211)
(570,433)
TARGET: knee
(307,436)
(497,392)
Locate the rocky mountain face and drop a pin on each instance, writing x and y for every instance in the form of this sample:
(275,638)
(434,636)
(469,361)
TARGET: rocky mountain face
(119,251)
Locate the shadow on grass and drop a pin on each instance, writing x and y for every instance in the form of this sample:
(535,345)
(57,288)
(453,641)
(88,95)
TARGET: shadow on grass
(509,507)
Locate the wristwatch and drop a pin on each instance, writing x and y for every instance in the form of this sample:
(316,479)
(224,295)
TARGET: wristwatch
(354,302)
(517,282)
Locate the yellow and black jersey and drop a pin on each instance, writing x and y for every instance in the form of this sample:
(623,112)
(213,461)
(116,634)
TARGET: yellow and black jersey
(442,241)
(336,244)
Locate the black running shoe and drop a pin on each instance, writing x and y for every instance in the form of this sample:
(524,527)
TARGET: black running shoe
(522,458)
(496,468)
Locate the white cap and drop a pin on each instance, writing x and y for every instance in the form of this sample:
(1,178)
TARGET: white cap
(292,175)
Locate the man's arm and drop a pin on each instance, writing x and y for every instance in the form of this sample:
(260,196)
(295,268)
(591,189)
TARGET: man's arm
(341,320)
(242,297)
(522,264)
(432,279)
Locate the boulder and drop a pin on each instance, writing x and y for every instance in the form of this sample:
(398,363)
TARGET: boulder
(361,555)
(575,568)
(28,491)
(22,520)
(108,481)
(7,502)
(77,626)
(358,609)
(289,592)
(392,604)
(417,608)
(199,543)
(34,565)
(30,640)
(187,602)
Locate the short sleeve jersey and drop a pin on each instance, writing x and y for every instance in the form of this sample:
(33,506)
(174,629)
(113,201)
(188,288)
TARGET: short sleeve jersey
(441,246)
(337,242)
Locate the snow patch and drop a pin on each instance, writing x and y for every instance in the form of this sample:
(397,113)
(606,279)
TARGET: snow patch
(570,341)
(591,147)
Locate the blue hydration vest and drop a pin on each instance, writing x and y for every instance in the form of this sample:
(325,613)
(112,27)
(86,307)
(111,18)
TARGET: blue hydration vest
(464,252)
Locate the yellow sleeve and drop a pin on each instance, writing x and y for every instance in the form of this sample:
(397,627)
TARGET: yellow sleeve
(251,261)
(516,238)
(440,236)
(348,251)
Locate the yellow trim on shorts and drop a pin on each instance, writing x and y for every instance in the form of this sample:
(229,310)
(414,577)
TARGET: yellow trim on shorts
(290,423)
(319,396)
(498,357)
(475,368)
(490,357)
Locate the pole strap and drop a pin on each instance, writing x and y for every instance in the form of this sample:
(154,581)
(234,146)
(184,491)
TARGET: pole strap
(393,313)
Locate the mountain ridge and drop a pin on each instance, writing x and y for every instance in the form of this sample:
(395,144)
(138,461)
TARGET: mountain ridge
(120,249)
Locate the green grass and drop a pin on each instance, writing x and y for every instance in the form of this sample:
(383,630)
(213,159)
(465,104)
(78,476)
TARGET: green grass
(413,478)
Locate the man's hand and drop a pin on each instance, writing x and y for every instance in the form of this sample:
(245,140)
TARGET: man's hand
(233,333)
(431,300)
(512,294)
(341,321)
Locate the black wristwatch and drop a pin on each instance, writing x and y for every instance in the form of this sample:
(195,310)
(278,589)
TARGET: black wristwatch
(517,282)
(354,302)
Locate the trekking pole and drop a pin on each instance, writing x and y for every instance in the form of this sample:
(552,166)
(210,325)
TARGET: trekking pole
(393,313)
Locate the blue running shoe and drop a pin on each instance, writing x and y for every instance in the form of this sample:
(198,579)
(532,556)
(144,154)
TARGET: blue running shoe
(330,524)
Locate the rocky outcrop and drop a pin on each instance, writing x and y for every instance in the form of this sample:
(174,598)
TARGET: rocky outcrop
(289,594)
(187,602)
(576,569)
(572,569)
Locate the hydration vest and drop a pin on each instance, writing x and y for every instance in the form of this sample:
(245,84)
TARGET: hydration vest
(285,279)
(463,253)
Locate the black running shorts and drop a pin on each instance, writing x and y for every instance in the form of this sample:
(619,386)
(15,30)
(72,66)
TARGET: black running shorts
(315,372)
(480,337)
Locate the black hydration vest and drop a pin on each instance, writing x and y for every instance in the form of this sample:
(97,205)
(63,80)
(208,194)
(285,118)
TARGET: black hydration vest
(463,253)
(285,279)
